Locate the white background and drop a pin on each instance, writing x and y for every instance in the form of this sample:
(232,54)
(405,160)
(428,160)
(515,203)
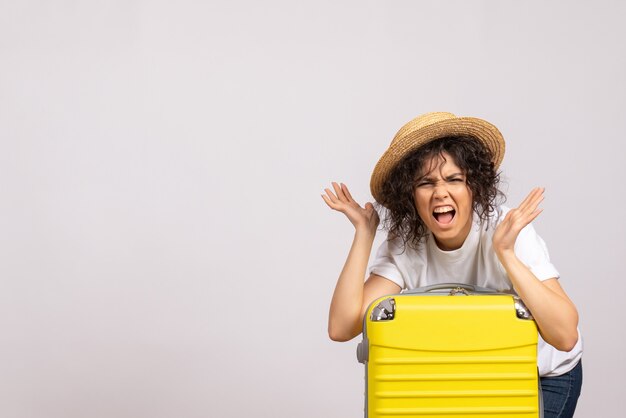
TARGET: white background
(164,249)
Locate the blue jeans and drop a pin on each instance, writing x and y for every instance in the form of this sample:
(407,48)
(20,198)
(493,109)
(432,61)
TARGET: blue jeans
(560,393)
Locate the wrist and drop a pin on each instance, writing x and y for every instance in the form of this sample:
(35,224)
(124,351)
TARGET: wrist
(365,234)
(505,254)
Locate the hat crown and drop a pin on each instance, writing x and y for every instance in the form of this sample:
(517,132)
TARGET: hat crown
(420,122)
(429,127)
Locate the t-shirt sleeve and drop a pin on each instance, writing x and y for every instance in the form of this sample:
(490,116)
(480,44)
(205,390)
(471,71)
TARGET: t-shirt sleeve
(385,264)
(533,252)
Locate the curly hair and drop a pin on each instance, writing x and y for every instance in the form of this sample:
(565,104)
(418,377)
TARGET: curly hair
(400,217)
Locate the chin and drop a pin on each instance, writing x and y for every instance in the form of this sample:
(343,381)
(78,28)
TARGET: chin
(450,239)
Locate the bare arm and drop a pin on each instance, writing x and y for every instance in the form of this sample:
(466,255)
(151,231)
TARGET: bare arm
(345,320)
(352,297)
(554,312)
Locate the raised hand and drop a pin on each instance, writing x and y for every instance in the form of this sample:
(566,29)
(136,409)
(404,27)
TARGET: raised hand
(365,218)
(507,231)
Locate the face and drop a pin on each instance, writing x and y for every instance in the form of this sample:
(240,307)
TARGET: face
(444,202)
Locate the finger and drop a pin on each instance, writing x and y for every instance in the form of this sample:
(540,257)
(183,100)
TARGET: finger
(534,215)
(527,199)
(345,190)
(534,197)
(522,222)
(331,196)
(334,204)
(329,202)
(534,202)
(369,209)
(518,219)
(340,195)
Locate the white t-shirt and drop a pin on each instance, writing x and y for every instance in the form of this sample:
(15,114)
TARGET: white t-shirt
(475,263)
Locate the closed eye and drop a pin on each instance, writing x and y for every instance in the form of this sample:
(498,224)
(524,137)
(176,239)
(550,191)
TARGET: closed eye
(456,179)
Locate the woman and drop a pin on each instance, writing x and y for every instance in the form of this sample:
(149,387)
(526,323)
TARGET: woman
(438,183)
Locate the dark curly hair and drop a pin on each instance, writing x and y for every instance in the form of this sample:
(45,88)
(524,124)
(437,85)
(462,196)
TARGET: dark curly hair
(400,217)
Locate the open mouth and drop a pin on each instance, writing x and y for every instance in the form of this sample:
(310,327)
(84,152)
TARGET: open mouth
(444,214)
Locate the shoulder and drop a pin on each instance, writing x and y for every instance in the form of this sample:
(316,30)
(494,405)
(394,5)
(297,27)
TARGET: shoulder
(402,264)
(393,254)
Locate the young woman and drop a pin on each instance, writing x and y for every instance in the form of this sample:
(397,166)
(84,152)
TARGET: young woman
(438,185)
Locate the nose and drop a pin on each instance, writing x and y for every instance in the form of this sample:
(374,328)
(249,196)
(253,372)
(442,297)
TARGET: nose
(440,191)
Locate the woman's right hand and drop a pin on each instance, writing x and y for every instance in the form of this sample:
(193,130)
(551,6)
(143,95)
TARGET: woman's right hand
(363,218)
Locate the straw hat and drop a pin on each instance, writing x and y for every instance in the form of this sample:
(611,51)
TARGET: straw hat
(426,128)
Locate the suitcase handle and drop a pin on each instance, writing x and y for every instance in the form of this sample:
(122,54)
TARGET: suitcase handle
(463,288)
(450,286)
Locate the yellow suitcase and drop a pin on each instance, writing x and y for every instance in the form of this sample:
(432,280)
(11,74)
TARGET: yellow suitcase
(450,350)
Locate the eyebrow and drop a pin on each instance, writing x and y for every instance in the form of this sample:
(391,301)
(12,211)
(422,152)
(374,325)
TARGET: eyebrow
(424,178)
(455,175)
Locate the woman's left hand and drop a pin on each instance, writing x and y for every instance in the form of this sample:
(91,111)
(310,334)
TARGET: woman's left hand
(554,312)
(507,231)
